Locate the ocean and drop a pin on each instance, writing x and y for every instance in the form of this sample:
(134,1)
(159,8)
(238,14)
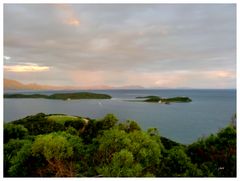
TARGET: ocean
(209,111)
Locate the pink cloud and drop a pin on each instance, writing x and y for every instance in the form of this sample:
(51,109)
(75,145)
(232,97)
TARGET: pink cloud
(88,78)
(220,74)
(68,15)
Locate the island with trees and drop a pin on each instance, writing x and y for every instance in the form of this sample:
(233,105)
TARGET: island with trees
(58,145)
(156,99)
(62,96)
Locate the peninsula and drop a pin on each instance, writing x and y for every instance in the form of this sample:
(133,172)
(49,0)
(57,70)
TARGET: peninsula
(62,96)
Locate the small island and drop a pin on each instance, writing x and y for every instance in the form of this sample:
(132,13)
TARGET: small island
(156,99)
(62,96)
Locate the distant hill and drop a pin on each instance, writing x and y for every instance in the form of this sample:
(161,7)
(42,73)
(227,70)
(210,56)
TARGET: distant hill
(16,85)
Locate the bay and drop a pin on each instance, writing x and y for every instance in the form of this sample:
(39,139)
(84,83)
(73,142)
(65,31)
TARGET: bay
(209,111)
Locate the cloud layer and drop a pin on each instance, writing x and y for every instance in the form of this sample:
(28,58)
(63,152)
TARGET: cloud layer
(159,45)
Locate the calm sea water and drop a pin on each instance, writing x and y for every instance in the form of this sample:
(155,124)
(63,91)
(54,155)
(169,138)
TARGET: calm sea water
(182,122)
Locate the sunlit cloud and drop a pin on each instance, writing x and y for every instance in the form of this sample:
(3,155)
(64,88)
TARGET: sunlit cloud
(68,14)
(73,21)
(6,57)
(25,68)
(220,74)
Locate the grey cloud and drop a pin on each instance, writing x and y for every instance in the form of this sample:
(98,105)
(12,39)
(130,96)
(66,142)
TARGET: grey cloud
(149,38)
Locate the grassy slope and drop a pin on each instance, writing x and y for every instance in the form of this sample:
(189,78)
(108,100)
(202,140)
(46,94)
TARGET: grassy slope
(61,119)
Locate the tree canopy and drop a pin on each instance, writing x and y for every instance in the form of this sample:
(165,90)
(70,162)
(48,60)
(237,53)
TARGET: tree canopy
(37,146)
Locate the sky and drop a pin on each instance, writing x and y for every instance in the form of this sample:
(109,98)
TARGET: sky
(151,45)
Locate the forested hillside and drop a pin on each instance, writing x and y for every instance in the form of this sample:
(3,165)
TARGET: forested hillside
(71,146)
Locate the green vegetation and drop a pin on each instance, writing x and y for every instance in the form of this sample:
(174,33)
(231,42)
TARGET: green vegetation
(176,99)
(216,154)
(153,99)
(25,96)
(165,100)
(62,96)
(80,95)
(71,146)
(62,118)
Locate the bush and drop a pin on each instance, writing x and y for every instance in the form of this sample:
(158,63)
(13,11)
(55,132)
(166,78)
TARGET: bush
(16,157)
(107,122)
(12,131)
(216,153)
(177,163)
(145,150)
(129,126)
(122,165)
(60,150)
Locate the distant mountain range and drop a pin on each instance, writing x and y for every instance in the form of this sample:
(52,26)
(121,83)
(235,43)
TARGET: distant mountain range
(16,85)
